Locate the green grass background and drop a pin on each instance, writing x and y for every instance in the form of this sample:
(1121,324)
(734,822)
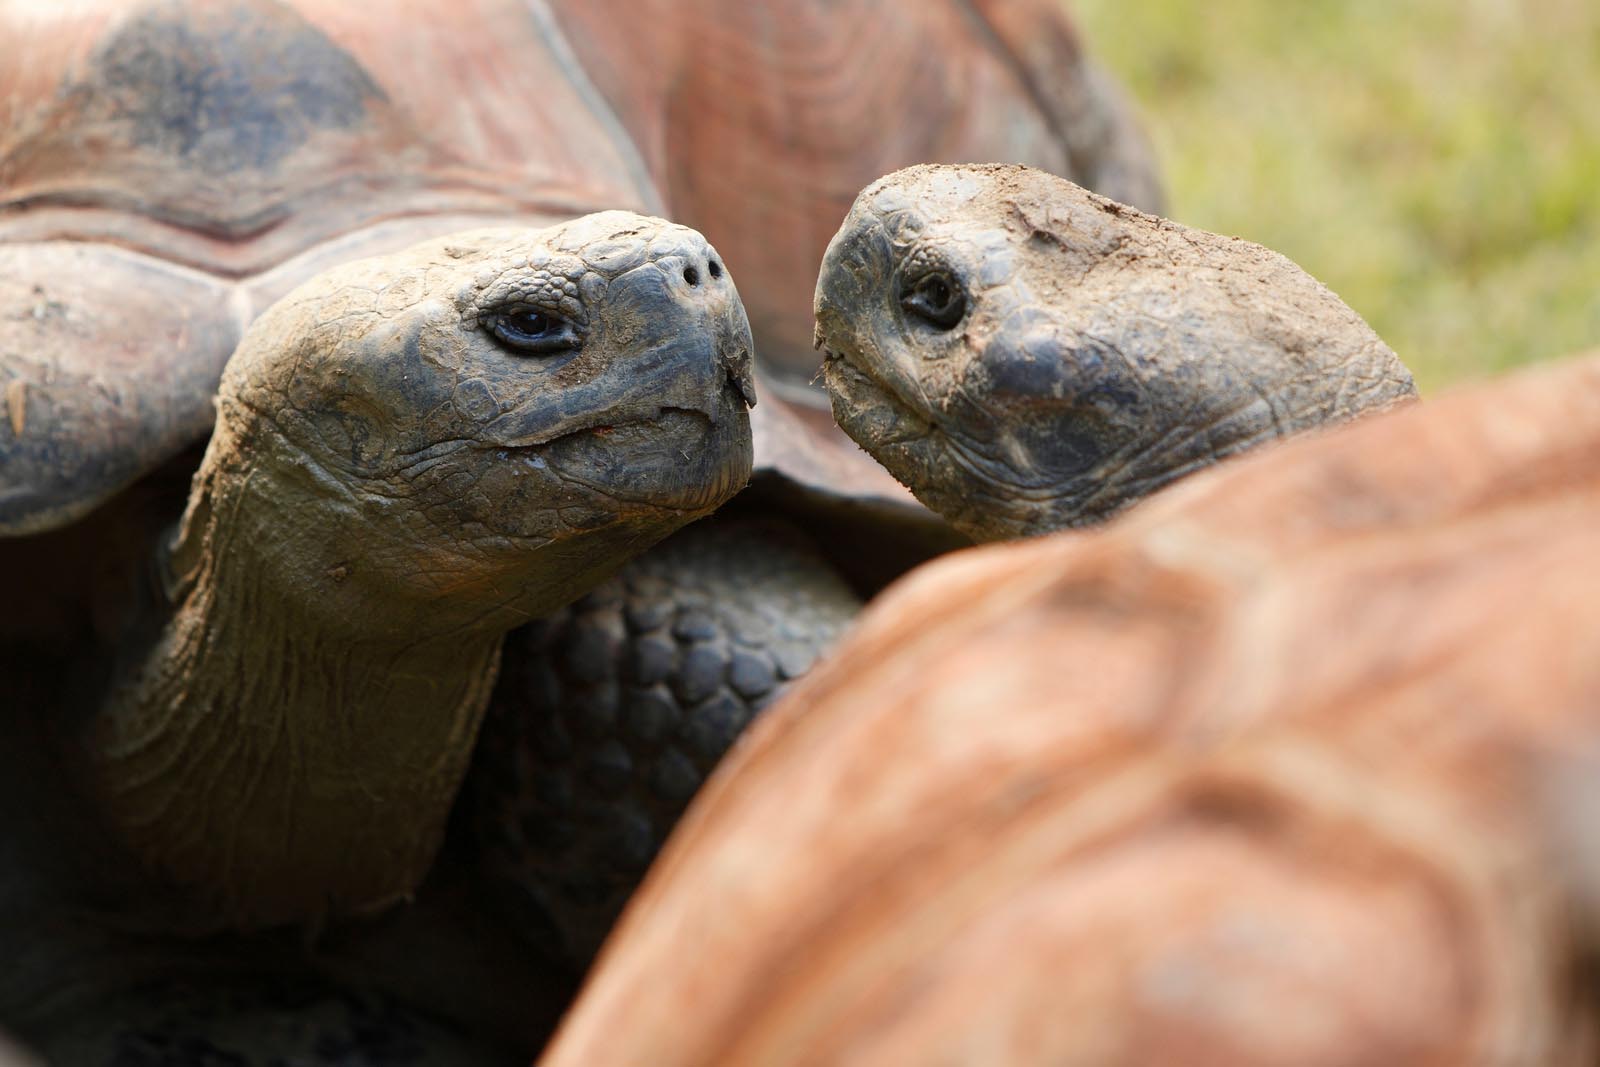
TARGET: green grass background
(1435,162)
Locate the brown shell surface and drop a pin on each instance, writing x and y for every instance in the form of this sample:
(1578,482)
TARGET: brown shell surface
(218,152)
(760,122)
(1257,775)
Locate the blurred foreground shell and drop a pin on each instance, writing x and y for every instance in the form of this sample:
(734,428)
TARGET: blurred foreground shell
(1253,777)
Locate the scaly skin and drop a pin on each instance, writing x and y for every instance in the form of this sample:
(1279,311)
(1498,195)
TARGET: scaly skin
(612,713)
(1026,355)
(393,484)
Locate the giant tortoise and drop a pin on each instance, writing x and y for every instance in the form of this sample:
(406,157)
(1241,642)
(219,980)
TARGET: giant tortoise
(413,454)
(1276,769)
(168,171)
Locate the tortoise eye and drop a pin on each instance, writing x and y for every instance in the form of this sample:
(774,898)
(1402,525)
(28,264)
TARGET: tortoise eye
(936,299)
(536,332)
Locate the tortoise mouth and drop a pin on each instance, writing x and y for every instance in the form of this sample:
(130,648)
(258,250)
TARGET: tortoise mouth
(978,489)
(666,415)
(680,460)
(909,444)
(845,370)
(857,393)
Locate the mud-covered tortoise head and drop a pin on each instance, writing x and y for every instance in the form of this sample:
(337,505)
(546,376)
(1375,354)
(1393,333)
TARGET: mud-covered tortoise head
(1026,355)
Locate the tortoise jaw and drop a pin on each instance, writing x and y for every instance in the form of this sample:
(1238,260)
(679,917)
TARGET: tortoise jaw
(678,460)
(600,427)
(871,408)
(978,488)
(850,383)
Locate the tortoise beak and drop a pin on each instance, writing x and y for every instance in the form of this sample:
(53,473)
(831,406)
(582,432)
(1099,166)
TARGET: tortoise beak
(736,349)
(740,367)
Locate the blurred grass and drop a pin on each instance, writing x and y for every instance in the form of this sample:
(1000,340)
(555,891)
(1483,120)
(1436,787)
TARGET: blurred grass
(1435,162)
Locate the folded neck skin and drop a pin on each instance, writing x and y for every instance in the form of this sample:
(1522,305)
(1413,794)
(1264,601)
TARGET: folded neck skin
(412,455)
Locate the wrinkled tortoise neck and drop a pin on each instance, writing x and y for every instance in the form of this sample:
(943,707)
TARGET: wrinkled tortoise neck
(259,755)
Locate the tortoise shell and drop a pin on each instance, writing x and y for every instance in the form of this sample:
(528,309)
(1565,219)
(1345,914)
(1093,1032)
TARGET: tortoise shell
(1256,775)
(169,168)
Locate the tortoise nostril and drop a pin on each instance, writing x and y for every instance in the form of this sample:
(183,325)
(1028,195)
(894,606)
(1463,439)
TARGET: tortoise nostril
(716,269)
(691,275)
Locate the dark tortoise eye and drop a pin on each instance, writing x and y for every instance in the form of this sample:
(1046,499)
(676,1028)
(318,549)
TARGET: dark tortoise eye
(936,299)
(536,332)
